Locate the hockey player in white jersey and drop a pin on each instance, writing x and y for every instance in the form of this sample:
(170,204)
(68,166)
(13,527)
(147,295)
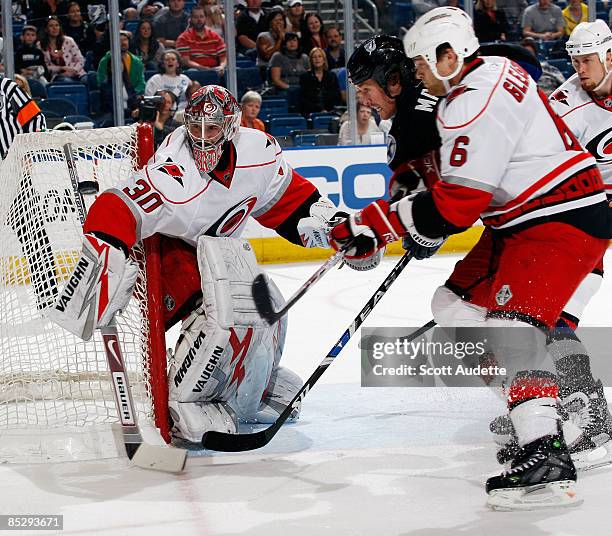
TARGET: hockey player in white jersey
(584,104)
(505,158)
(198,191)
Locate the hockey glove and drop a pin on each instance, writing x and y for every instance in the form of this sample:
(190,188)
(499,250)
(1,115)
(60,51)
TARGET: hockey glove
(404,180)
(314,230)
(100,286)
(420,246)
(379,224)
(414,174)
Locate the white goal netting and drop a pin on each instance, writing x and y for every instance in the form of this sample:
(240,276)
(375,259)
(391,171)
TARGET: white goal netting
(48,377)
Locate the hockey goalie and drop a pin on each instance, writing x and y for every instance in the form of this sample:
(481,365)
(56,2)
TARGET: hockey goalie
(198,191)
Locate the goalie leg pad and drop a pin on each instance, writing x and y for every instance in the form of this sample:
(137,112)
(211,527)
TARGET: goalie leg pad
(191,420)
(199,369)
(226,351)
(284,385)
(265,358)
(100,286)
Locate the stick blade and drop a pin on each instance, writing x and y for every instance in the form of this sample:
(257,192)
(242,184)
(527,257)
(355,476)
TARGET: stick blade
(223,442)
(159,458)
(263,300)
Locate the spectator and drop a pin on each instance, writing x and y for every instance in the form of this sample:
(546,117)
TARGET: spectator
(249,24)
(551,77)
(62,55)
(22,82)
(29,59)
(215,19)
(165,122)
(575,13)
(200,47)
(288,64)
(132,74)
(490,23)
(170,79)
(334,51)
(271,41)
(250,105)
(513,10)
(147,9)
(98,40)
(313,33)
(543,20)
(145,46)
(319,88)
(295,17)
(172,23)
(74,26)
(42,10)
(366,127)
(180,114)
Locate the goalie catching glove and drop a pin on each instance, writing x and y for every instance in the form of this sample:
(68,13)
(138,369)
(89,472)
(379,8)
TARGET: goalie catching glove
(379,224)
(314,229)
(100,286)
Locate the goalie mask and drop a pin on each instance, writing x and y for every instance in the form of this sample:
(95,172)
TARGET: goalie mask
(212,117)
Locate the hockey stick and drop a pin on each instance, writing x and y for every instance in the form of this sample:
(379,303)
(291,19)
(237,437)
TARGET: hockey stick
(224,442)
(261,291)
(145,455)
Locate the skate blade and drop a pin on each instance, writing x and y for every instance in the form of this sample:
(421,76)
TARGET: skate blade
(158,458)
(559,494)
(587,460)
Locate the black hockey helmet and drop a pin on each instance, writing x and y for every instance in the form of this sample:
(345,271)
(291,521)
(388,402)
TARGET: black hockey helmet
(378,58)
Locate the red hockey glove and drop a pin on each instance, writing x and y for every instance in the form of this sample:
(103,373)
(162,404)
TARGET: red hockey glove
(368,230)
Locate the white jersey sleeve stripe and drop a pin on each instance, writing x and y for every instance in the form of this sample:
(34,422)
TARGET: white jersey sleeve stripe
(469,183)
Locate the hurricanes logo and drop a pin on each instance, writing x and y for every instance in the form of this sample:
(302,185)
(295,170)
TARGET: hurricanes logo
(601,146)
(560,96)
(172,169)
(209,108)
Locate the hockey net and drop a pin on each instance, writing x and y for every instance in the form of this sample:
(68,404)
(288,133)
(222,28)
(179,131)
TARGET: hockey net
(51,381)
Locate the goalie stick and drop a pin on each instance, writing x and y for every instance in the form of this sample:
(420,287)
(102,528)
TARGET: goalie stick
(224,442)
(261,291)
(144,455)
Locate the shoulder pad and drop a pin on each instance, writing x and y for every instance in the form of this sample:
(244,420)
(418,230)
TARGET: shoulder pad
(255,148)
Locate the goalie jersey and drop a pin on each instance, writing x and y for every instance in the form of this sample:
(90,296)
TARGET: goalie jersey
(507,158)
(590,119)
(170,196)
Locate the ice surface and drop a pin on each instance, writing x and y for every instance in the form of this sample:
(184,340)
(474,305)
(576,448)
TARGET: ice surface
(373,462)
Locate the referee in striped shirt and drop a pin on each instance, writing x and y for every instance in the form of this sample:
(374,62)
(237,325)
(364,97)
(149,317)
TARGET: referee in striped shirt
(19,114)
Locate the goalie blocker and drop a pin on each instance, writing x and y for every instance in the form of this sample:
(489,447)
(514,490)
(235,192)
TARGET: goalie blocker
(100,286)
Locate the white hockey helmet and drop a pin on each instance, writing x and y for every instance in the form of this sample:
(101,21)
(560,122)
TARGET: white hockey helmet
(439,26)
(590,38)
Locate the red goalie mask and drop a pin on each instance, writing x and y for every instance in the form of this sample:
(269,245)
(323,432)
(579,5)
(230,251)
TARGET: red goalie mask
(212,117)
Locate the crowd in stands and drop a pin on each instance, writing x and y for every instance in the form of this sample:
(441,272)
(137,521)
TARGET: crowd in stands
(170,47)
